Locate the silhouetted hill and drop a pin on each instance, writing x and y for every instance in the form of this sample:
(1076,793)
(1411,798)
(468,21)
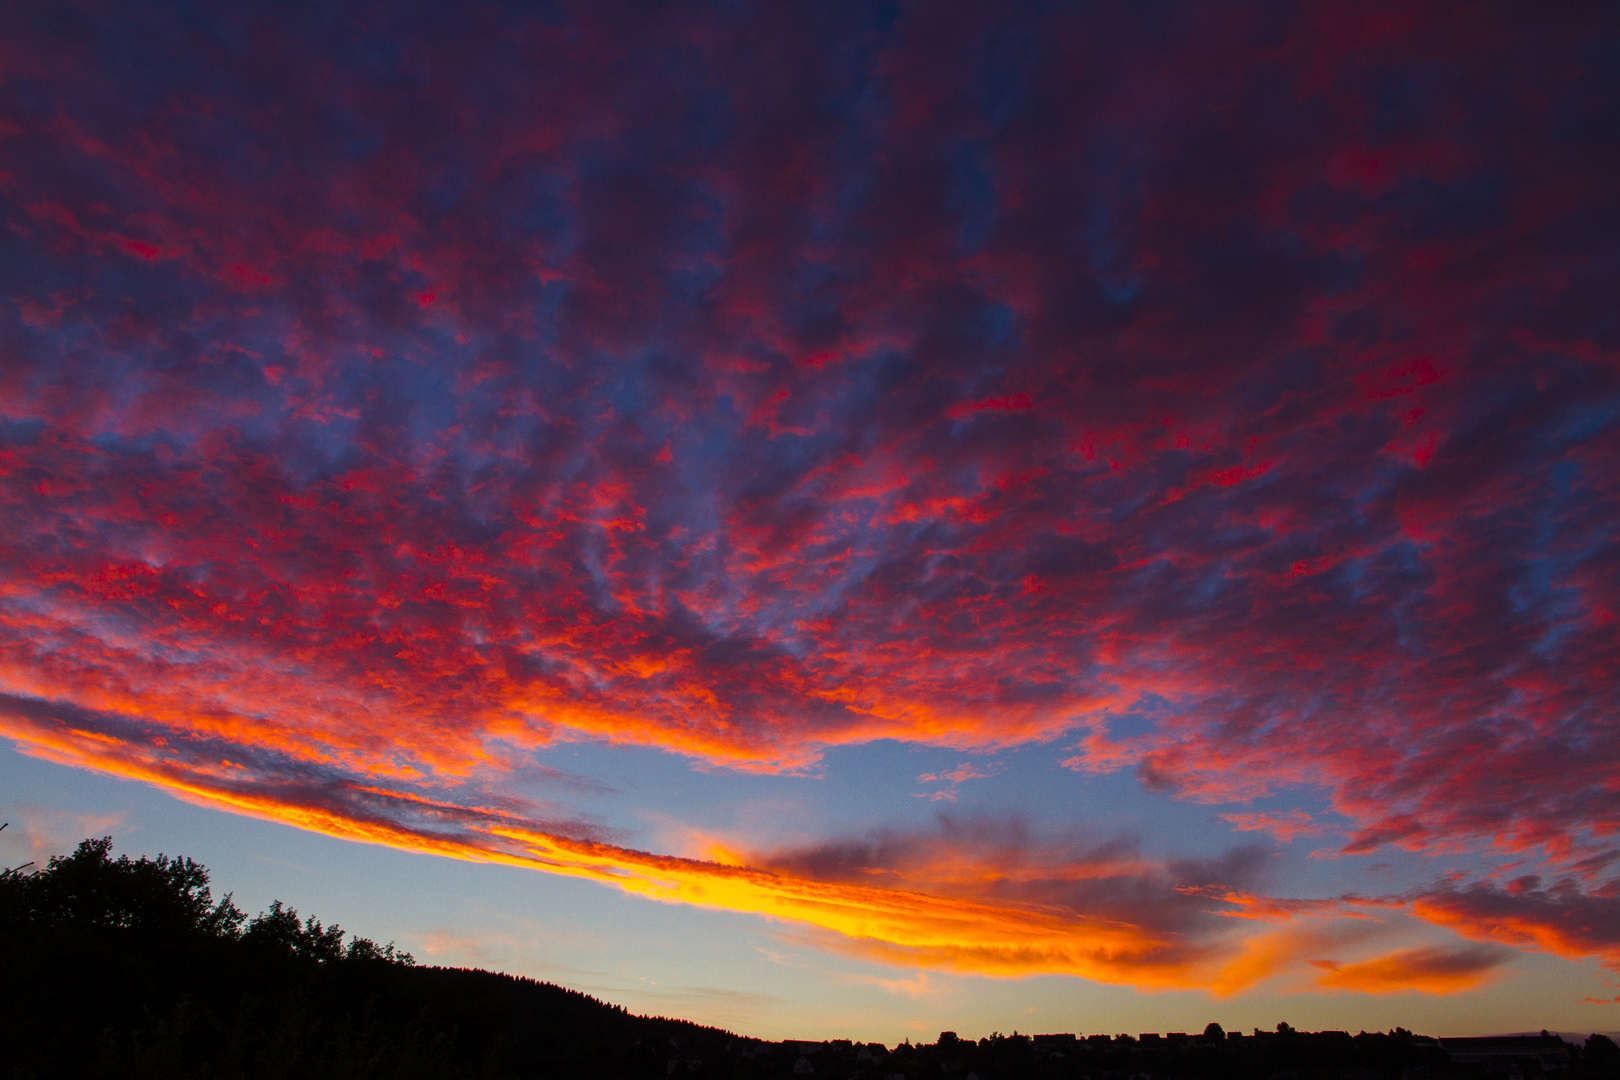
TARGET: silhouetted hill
(128,968)
(124,968)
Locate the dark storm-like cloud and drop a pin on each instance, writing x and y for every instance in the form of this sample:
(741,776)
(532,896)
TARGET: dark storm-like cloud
(397,392)
(1561,918)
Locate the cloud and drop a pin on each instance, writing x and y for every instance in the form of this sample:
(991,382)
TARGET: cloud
(1285,826)
(1244,383)
(1197,909)
(963,772)
(924,985)
(43,831)
(1561,919)
(973,896)
(1428,970)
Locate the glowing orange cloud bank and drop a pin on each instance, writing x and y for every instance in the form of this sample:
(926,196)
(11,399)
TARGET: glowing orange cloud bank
(1563,920)
(1430,970)
(894,924)
(1158,936)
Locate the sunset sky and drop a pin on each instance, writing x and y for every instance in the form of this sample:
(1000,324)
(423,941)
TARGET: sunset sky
(836,519)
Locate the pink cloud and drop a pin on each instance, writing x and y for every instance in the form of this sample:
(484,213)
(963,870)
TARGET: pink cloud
(1285,826)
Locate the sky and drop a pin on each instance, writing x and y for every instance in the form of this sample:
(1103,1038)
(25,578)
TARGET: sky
(841,519)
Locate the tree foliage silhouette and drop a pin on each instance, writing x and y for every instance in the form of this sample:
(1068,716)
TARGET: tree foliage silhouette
(128,967)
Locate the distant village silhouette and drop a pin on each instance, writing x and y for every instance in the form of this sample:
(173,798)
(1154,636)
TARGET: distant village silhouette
(128,968)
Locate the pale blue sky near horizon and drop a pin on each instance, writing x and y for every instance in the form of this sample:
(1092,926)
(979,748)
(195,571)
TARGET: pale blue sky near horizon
(751,975)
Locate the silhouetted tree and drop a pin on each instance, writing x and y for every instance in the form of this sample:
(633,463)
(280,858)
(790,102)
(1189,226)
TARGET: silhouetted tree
(120,967)
(91,889)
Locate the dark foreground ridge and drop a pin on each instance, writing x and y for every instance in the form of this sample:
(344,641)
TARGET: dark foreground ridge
(121,968)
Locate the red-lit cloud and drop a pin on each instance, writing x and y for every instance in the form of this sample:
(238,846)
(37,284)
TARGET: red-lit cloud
(1284,826)
(1226,396)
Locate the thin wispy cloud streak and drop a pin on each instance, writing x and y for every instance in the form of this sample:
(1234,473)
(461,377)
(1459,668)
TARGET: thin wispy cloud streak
(1224,398)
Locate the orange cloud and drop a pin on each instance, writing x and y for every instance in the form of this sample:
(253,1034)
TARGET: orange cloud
(1561,920)
(1426,970)
(978,897)
(1093,917)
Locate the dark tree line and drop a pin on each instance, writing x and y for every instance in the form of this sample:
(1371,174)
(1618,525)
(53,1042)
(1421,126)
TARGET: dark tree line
(114,967)
(129,968)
